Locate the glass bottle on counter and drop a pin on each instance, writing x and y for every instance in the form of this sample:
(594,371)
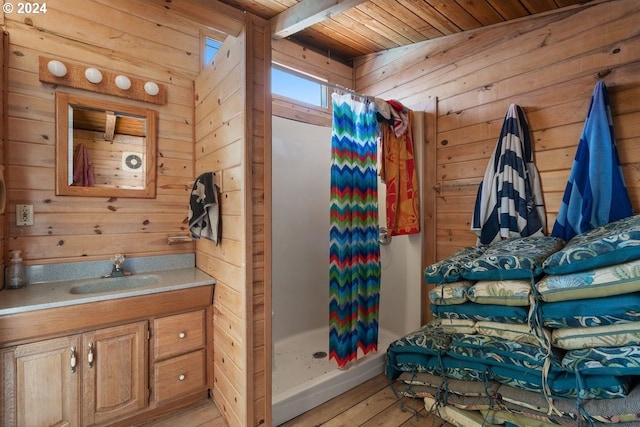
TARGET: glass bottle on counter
(15,275)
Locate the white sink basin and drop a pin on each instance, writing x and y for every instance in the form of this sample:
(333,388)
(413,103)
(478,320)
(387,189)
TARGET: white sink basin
(112,284)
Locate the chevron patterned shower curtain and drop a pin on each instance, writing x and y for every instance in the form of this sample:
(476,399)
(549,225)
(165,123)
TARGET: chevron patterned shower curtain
(354,250)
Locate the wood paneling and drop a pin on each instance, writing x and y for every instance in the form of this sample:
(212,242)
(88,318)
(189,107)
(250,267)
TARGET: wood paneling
(259,227)
(377,25)
(4,85)
(548,65)
(213,120)
(233,134)
(220,151)
(145,45)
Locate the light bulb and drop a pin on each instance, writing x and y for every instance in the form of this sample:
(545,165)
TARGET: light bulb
(57,68)
(93,75)
(151,88)
(123,82)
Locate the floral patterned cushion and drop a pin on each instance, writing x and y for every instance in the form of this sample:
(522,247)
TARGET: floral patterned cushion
(589,313)
(457,326)
(519,333)
(464,370)
(448,270)
(478,312)
(501,292)
(519,258)
(450,293)
(496,351)
(418,351)
(601,282)
(618,361)
(599,336)
(613,243)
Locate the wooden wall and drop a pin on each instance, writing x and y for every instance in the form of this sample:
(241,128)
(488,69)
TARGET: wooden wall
(107,156)
(139,41)
(233,136)
(547,64)
(258,196)
(160,41)
(4,83)
(220,141)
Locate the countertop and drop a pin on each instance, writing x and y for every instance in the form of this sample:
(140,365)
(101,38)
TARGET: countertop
(53,294)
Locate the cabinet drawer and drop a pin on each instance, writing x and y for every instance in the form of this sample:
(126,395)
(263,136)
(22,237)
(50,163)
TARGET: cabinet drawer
(179,376)
(178,334)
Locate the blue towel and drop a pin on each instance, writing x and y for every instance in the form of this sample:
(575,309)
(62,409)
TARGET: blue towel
(509,202)
(596,193)
(204,209)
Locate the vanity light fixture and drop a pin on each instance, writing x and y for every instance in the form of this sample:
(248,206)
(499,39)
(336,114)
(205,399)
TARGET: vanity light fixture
(57,68)
(93,75)
(88,77)
(123,82)
(151,88)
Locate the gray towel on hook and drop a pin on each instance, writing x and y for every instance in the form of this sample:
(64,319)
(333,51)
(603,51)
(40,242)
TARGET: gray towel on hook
(204,209)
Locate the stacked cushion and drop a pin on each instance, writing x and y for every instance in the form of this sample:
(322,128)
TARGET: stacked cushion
(501,292)
(538,316)
(450,269)
(610,244)
(520,258)
(600,282)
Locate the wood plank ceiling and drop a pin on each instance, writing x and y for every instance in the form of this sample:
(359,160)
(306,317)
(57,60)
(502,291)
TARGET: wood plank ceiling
(347,29)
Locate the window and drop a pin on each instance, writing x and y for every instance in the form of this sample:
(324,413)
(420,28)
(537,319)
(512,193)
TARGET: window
(296,86)
(211,47)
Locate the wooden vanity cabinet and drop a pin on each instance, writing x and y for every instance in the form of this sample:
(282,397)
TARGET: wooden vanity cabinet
(110,363)
(149,359)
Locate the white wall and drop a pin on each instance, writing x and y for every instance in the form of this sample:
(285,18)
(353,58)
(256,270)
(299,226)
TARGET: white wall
(301,156)
(301,161)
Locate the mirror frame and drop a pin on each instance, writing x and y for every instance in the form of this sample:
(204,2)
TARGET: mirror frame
(63,101)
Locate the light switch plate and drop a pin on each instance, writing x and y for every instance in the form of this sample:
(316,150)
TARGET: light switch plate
(24,215)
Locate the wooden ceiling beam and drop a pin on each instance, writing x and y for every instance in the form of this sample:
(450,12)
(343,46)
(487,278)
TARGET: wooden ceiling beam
(307,13)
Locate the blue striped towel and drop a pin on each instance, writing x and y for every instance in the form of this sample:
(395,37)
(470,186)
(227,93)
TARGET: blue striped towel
(509,202)
(595,194)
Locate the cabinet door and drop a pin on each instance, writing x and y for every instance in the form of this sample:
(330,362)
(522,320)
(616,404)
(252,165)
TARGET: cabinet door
(114,372)
(41,384)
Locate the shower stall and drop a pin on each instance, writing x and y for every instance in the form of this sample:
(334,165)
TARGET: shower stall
(303,377)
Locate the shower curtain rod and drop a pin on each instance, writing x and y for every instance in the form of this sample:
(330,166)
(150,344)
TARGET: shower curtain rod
(339,88)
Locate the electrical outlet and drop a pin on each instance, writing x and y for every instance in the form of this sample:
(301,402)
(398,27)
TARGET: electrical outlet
(24,215)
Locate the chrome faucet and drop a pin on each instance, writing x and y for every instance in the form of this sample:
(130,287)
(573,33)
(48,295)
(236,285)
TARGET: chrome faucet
(117,270)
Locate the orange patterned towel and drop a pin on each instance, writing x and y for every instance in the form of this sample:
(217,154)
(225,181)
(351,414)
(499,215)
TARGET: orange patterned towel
(399,173)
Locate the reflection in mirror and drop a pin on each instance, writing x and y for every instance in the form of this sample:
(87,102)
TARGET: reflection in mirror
(104,149)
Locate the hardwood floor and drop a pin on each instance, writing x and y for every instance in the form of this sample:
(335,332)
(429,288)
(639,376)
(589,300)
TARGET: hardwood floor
(204,414)
(370,404)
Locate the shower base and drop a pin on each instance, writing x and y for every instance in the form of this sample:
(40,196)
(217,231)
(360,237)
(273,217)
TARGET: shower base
(302,379)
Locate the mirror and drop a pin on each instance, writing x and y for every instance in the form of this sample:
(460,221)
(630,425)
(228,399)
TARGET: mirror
(104,149)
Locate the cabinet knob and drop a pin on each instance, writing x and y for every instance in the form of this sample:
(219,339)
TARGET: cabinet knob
(182,335)
(181,377)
